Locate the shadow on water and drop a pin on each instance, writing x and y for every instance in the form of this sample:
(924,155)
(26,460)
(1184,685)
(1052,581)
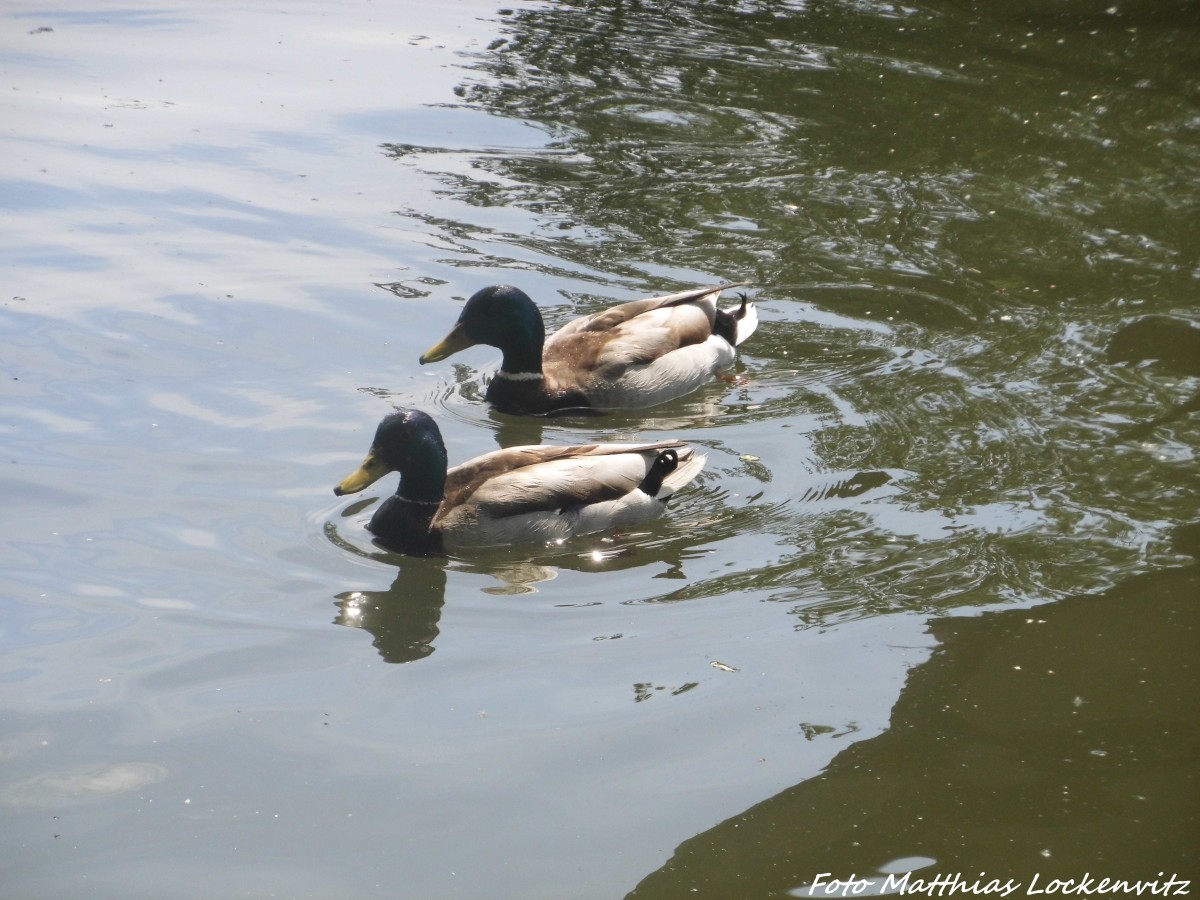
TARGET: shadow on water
(1172,345)
(1049,762)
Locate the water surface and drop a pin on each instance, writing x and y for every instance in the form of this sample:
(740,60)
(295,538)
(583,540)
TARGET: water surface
(930,604)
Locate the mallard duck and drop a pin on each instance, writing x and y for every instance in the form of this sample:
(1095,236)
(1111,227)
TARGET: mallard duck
(630,356)
(534,493)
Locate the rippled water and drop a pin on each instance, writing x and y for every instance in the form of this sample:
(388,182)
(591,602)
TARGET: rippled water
(946,458)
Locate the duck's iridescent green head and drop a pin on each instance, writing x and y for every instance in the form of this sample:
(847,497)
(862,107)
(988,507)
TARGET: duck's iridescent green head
(500,316)
(406,441)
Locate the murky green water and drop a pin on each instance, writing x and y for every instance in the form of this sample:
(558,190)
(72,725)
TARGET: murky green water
(929,607)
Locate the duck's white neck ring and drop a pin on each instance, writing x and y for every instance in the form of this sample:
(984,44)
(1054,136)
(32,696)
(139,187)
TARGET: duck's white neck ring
(519,376)
(421,502)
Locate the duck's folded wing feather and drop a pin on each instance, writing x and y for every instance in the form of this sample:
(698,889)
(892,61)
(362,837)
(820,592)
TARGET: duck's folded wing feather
(651,336)
(704,298)
(577,359)
(545,478)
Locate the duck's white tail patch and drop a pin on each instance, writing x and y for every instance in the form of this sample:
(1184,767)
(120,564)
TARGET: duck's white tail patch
(686,470)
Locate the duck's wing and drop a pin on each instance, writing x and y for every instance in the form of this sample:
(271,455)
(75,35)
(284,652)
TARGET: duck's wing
(704,298)
(534,479)
(606,344)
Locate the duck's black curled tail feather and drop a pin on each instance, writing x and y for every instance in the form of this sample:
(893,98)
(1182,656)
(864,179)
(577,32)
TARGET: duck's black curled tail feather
(735,325)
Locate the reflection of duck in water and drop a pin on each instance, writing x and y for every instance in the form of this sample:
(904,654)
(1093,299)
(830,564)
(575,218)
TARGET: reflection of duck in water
(1174,344)
(630,356)
(534,493)
(403,619)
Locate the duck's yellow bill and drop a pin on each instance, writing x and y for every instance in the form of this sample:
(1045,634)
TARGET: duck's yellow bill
(365,475)
(453,342)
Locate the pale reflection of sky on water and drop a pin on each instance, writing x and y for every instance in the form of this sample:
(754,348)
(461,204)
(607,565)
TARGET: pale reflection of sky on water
(228,234)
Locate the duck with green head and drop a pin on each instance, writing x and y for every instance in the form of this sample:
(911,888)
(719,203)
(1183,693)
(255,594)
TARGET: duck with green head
(631,356)
(534,493)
